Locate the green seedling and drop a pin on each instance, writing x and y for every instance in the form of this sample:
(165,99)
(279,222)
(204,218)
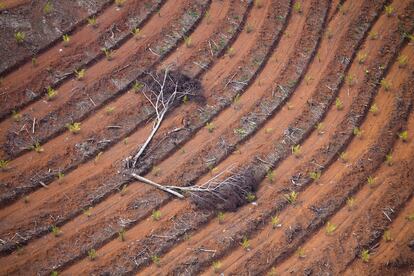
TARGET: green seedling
(216,266)
(402,61)
(389,10)
(350,201)
(74,127)
(330,228)
(51,93)
(48,7)
(56,231)
(291,197)
(231,52)
(308,79)
(136,32)
(342,9)
(338,104)
(121,234)
(258,4)
(80,74)
(301,253)
(386,84)
(16,116)
(66,40)
(320,127)
(388,159)
(373,35)
(387,236)
(245,243)
(220,217)
(60,176)
(374,109)
(343,156)
(4,164)
(185,99)
(97,157)
(315,176)
(370,180)
(365,255)
(296,150)
(188,41)
(156,215)
(34,62)
(88,212)
(37,147)
(249,28)
(210,127)
(358,132)
(119,3)
(19,36)
(250,197)
(26,199)
(270,175)
(92,254)
(362,57)
(108,53)
(275,221)
(350,80)
(207,16)
(92,22)
(124,190)
(156,260)
(54,273)
(403,135)
(137,86)
(109,110)
(297,7)
(410,217)
(156,171)
(240,131)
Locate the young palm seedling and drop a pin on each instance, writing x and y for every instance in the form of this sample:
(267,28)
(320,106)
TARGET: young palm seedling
(301,252)
(156,260)
(210,127)
(121,234)
(220,217)
(258,4)
(330,228)
(403,135)
(19,36)
(350,201)
(388,159)
(136,33)
(92,254)
(370,181)
(216,266)
(297,7)
(365,255)
(34,62)
(245,244)
(188,41)
(48,7)
(109,110)
(88,212)
(389,10)
(374,109)
(296,150)
(56,231)
(108,53)
(250,197)
(124,190)
(80,74)
(410,217)
(291,197)
(350,80)
(320,127)
(362,58)
(66,40)
(315,176)
(119,3)
(36,147)
(74,127)
(343,156)
(156,215)
(231,52)
(54,273)
(60,176)
(387,236)
(92,22)
(16,116)
(51,93)
(338,104)
(386,84)
(137,86)
(308,79)
(402,61)
(373,35)
(4,164)
(270,175)
(275,222)
(358,132)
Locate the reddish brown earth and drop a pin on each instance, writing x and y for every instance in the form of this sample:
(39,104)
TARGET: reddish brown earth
(269,72)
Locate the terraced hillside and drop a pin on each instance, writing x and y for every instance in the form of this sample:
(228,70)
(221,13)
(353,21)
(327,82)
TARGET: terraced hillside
(189,137)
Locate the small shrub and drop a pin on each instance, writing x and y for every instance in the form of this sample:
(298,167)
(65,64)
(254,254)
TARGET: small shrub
(365,255)
(80,74)
(136,32)
(296,150)
(403,135)
(402,61)
(370,180)
(92,254)
(315,176)
(320,127)
(56,231)
(291,197)
(156,215)
(108,53)
(60,176)
(374,109)
(297,7)
(156,260)
(19,36)
(210,127)
(389,10)
(362,58)
(387,236)
(386,84)
(37,147)
(270,175)
(16,116)
(350,201)
(388,159)
(137,86)
(88,212)
(343,156)
(4,164)
(51,93)
(220,217)
(188,41)
(250,197)
(66,40)
(216,266)
(92,22)
(74,127)
(330,228)
(48,7)
(121,234)
(358,132)
(275,222)
(301,253)
(338,104)
(245,243)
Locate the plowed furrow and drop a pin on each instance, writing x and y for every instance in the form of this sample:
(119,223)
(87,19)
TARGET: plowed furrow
(361,226)
(97,134)
(105,80)
(57,64)
(198,257)
(259,41)
(42,30)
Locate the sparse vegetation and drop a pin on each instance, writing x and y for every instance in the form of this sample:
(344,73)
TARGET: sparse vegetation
(220,217)
(373,35)
(119,3)
(34,62)
(20,37)
(320,127)
(245,243)
(249,28)
(156,215)
(270,175)
(108,53)
(92,22)
(137,86)
(297,7)
(388,159)
(216,266)
(37,147)
(188,41)
(410,217)
(80,74)
(92,254)
(291,197)
(275,220)
(330,228)
(156,260)
(358,132)
(74,127)
(26,199)
(231,52)
(338,104)
(386,85)
(121,234)
(350,80)
(362,57)
(56,231)
(66,40)
(54,273)
(16,116)
(250,197)
(402,61)
(88,212)
(350,201)
(403,135)
(389,10)
(4,164)
(60,176)
(386,236)
(370,180)
(300,252)
(343,156)
(296,150)
(374,109)
(48,7)
(365,255)
(315,176)
(136,32)
(51,93)
(258,4)
(109,110)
